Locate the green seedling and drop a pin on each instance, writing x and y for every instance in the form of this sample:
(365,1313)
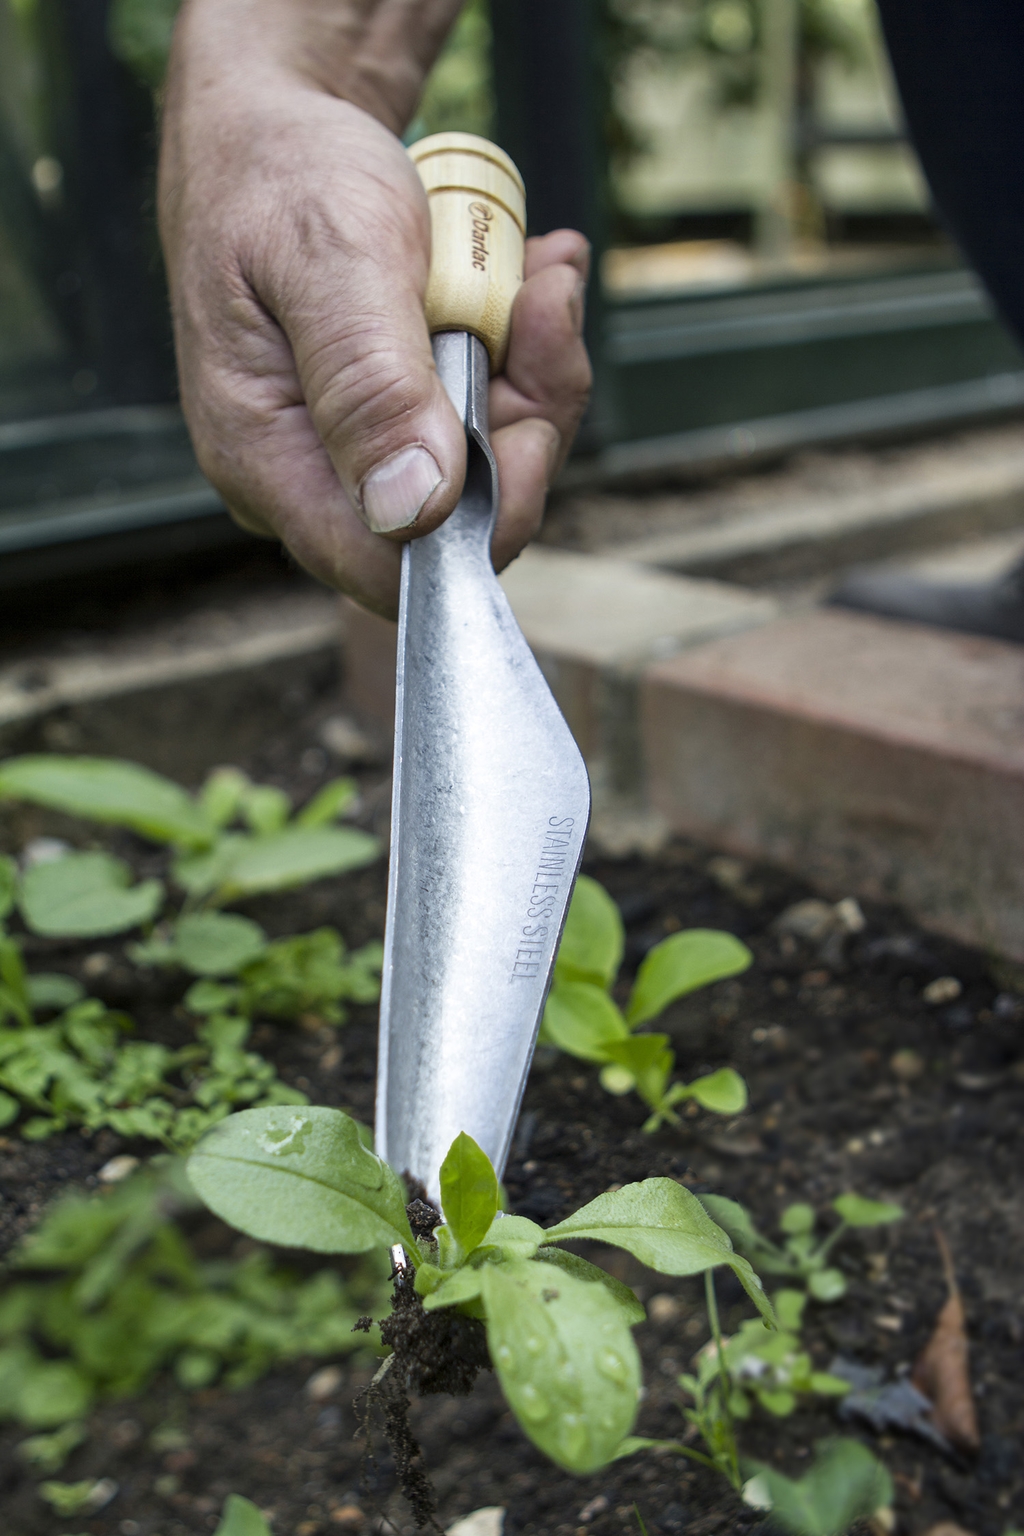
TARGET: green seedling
(79,1069)
(47,1453)
(113,1293)
(243,972)
(845,1484)
(558,1329)
(233,840)
(772,1370)
(240,1517)
(582,1019)
(800,1256)
(66,1499)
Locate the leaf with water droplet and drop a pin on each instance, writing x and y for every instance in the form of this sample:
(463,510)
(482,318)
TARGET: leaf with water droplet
(664,1226)
(565,1358)
(301,1178)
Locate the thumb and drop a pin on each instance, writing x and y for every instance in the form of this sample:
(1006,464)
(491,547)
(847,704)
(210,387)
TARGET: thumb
(358,335)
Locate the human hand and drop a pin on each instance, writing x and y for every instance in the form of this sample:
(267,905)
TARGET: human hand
(297,238)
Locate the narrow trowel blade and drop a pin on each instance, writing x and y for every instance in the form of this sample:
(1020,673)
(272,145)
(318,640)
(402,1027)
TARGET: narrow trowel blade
(490,810)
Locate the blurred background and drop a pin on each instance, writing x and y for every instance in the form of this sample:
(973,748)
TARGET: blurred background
(770,274)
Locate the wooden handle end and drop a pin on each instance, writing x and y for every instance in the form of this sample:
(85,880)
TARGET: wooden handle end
(478,228)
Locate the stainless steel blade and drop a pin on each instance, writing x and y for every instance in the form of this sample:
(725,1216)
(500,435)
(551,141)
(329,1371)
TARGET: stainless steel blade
(489,813)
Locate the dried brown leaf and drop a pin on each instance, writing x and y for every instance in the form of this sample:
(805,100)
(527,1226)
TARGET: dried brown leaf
(947,1528)
(942,1371)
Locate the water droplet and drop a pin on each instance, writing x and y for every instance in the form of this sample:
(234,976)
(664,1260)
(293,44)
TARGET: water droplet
(505,1357)
(278,1139)
(533,1345)
(613,1366)
(568,1374)
(572,1434)
(532,1404)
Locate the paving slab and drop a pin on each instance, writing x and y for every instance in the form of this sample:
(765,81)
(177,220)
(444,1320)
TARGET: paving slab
(179,695)
(876,758)
(824,532)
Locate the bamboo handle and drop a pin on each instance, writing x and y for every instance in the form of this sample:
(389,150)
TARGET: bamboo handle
(478,226)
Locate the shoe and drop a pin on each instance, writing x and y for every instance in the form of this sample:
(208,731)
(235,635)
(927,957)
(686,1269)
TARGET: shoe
(994,607)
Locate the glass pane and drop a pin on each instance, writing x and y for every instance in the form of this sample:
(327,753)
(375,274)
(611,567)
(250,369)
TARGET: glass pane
(758,141)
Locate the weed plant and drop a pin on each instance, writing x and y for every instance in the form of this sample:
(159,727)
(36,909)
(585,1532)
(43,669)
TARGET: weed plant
(801,1256)
(232,840)
(107,1292)
(557,1328)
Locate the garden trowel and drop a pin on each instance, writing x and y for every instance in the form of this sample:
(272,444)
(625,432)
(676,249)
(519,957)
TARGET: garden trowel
(491,799)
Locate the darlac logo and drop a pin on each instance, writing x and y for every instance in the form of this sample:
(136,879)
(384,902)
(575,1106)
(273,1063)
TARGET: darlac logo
(481,228)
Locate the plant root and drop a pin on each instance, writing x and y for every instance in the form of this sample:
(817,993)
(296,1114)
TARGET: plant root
(431,1352)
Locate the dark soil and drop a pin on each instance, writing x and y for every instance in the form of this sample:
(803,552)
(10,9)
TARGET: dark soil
(814,1032)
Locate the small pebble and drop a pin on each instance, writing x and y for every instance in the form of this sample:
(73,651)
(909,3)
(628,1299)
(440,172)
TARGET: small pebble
(907,1065)
(663,1309)
(944,989)
(849,915)
(324,1383)
(44,850)
(482,1522)
(349,1516)
(117,1169)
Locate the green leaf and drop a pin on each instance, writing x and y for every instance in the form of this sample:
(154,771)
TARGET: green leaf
(632,1309)
(845,1484)
(789,1308)
(332,801)
(724,1092)
(857,1212)
(10,1109)
(829,1385)
(221,795)
(565,1358)
(515,1237)
(49,989)
(680,964)
(210,997)
(735,1220)
(665,1227)
(66,1499)
(241,1518)
(469,1192)
(8,885)
(107,790)
(797,1219)
(53,1392)
(581,1019)
(47,1453)
(86,895)
(592,941)
(248,866)
(460,1286)
(217,943)
(301,1178)
(649,1061)
(265,807)
(827,1284)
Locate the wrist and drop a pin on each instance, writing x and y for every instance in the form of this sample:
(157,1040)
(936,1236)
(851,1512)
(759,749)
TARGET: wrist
(374,55)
